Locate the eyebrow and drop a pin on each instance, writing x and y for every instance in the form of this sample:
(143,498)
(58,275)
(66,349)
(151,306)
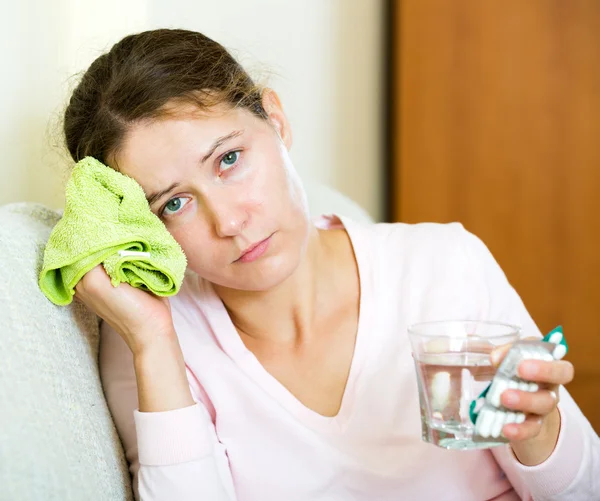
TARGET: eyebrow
(219,142)
(159,194)
(153,197)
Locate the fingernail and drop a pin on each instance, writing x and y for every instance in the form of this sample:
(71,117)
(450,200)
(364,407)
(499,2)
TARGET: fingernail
(554,395)
(529,369)
(495,357)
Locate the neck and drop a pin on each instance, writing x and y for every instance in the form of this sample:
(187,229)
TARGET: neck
(287,313)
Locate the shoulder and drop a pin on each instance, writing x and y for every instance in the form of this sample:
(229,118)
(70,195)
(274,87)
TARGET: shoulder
(434,270)
(443,243)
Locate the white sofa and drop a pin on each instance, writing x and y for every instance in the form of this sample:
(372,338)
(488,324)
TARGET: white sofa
(57,438)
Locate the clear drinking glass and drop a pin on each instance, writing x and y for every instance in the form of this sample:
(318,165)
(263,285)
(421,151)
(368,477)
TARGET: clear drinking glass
(453,367)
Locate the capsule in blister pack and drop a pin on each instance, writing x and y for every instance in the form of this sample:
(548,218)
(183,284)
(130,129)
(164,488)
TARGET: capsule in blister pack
(487,413)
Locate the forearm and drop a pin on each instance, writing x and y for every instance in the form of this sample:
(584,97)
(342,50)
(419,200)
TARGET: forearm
(175,438)
(161,378)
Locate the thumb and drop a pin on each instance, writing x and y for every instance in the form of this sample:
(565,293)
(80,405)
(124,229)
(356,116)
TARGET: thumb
(498,354)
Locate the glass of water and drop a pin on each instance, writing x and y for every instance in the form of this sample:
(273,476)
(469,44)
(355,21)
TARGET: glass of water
(452,360)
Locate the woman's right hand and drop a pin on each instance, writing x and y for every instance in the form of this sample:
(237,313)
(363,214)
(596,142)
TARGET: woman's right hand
(144,322)
(138,316)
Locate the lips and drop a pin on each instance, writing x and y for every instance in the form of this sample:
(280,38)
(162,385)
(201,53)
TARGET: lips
(255,251)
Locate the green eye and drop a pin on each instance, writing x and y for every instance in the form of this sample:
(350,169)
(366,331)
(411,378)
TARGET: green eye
(173,206)
(229,160)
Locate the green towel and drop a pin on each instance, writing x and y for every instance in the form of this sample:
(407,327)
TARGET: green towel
(107,212)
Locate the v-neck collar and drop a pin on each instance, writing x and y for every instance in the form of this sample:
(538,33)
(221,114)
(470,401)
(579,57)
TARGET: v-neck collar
(234,347)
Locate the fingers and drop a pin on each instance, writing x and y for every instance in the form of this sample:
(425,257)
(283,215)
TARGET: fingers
(555,372)
(540,402)
(530,428)
(96,277)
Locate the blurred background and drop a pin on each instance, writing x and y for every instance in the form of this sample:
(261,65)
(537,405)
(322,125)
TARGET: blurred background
(483,112)
(495,122)
(324,57)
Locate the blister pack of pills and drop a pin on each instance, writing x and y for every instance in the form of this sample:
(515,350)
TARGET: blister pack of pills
(486,412)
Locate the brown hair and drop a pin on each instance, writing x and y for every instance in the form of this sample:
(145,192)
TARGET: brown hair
(136,79)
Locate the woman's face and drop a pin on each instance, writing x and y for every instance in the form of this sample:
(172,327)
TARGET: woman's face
(223,184)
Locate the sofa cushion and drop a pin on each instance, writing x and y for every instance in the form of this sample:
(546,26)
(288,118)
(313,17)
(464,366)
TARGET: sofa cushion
(57,439)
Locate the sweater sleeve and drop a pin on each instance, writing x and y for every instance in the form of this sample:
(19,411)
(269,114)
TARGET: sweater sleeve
(571,471)
(171,455)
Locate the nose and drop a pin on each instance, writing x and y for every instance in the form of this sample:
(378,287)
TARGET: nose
(229,219)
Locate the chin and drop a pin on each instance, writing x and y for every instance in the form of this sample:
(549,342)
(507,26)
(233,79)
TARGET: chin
(268,274)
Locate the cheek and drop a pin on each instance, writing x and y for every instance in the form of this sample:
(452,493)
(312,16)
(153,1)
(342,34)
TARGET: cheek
(196,240)
(276,187)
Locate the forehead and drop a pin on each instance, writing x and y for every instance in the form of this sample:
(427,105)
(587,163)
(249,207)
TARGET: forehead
(178,138)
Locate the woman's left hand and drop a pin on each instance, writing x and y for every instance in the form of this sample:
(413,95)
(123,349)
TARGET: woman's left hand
(534,440)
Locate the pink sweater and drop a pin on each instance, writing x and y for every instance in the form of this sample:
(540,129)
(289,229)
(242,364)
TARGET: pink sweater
(249,439)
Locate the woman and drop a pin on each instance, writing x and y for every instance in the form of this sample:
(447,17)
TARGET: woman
(282,370)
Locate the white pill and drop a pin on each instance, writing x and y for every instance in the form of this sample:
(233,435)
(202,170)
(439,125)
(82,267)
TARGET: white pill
(555,338)
(513,385)
(499,420)
(511,417)
(533,387)
(520,418)
(484,423)
(498,387)
(491,393)
(523,386)
(559,352)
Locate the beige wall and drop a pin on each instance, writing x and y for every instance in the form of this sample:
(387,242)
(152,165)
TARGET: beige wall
(322,56)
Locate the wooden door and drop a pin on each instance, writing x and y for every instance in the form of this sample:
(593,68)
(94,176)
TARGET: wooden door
(496,124)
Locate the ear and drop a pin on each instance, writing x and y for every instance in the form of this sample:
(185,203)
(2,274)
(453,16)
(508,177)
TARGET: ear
(272,105)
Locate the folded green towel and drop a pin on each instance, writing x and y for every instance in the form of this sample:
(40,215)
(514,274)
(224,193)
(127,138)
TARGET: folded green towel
(107,220)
